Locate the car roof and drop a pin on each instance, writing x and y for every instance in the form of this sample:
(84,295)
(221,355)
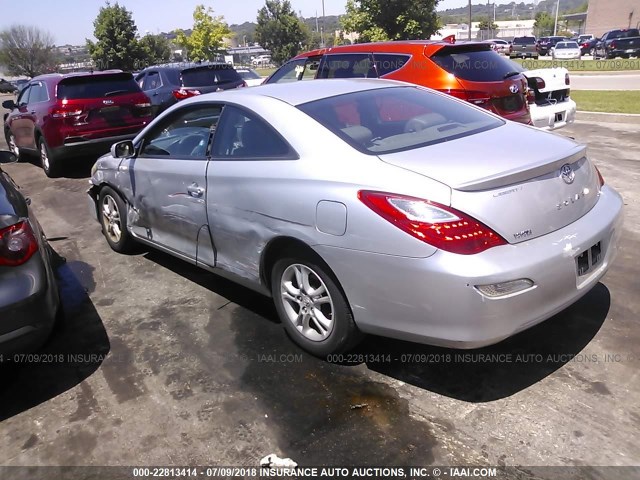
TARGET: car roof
(297,93)
(61,76)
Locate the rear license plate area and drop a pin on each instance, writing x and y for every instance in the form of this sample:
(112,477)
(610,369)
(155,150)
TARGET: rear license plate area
(559,116)
(589,260)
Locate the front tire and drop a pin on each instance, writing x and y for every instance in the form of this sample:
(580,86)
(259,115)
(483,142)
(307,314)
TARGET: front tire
(11,143)
(312,307)
(113,218)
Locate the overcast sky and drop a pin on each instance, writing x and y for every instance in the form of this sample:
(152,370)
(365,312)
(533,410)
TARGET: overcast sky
(71,21)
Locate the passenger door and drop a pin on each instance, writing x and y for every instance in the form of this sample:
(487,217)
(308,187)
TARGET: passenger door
(20,122)
(168,180)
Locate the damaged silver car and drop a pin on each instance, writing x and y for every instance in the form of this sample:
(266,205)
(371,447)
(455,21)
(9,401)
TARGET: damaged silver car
(366,206)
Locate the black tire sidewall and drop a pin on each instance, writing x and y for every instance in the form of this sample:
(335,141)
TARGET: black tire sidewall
(344,334)
(124,245)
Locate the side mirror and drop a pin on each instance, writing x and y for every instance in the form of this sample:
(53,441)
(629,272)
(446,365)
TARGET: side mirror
(8,157)
(123,149)
(9,104)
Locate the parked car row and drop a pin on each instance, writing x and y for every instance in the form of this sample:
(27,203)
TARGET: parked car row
(429,200)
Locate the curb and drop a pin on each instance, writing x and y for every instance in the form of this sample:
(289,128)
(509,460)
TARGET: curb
(633,118)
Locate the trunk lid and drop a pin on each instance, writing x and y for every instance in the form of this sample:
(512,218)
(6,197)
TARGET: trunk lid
(511,179)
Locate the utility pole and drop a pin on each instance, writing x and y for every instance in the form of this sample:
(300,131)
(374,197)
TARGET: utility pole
(323,26)
(555,25)
(469,19)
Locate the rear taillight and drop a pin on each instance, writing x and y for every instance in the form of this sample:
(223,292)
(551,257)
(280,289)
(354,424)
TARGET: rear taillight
(477,98)
(540,84)
(531,96)
(185,93)
(567,80)
(66,111)
(612,45)
(443,227)
(17,244)
(600,178)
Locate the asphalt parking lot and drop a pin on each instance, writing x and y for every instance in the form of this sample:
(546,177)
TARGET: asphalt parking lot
(160,363)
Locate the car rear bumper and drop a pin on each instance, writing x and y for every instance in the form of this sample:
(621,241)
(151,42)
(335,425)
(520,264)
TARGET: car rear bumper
(434,300)
(28,306)
(551,117)
(94,147)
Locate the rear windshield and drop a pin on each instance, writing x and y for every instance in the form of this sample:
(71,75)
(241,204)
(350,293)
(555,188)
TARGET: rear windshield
(96,86)
(626,33)
(395,119)
(209,75)
(562,45)
(524,40)
(249,75)
(477,66)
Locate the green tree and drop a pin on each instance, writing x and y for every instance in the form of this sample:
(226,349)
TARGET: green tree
(544,24)
(26,51)
(487,29)
(207,39)
(156,49)
(116,43)
(280,30)
(378,20)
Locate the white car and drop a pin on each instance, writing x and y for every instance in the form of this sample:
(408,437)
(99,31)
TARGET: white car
(550,102)
(250,76)
(499,45)
(566,51)
(261,60)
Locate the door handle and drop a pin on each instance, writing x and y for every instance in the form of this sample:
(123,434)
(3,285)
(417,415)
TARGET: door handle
(195,191)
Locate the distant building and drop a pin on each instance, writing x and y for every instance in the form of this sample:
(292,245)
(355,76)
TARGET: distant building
(506,30)
(604,15)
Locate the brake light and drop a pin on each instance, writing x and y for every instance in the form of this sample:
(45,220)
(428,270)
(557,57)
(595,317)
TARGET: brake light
(440,226)
(477,98)
(600,178)
(67,111)
(531,96)
(185,93)
(567,80)
(540,83)
(17,244)
(612,45)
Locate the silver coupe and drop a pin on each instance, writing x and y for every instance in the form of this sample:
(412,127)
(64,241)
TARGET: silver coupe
(366,206)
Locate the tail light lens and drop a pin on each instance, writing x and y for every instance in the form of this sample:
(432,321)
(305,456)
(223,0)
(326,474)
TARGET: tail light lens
(600,178)
(477,98)
(567,80)
(612,45)
(185,93)
(440,226)
(540,83)
(531,96)
(17,244)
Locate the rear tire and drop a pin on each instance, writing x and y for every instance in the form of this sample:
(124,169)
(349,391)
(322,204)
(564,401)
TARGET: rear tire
(113,218)
(47,161)
(312,307)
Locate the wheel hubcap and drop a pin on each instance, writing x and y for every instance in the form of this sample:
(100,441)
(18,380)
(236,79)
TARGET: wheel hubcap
(307,302)
(13,146)
(44,157)
(111,218)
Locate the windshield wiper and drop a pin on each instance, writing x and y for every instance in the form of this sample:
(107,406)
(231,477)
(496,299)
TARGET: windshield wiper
(115,92)
(510,74)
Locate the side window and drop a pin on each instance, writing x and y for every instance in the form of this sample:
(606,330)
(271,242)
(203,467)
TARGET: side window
(351,65)
(38,93)
(243,135)
(185,134)
(310,69)
(151,81)
(289,72)
(23,98)
(387,63)
(140,80)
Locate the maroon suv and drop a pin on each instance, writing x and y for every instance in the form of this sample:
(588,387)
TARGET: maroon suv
(60,116)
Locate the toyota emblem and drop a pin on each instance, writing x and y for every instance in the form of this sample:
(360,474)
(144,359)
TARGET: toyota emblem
(567,173)
(514,88)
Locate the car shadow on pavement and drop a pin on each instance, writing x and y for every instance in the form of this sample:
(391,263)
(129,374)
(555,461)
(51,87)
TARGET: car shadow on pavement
(74,351)
(501,370)
(76,168)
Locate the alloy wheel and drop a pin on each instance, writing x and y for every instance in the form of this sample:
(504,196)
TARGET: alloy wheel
(307,302)
(111,218)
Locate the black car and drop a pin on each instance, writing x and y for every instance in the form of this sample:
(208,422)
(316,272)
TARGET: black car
(588,47)
(170,83)
(29,297)
(6,86)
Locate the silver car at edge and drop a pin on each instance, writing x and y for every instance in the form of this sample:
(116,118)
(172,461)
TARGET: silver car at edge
(367,206)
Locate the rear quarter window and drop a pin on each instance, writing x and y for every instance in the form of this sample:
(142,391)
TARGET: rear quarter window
(474,65)
(96,86)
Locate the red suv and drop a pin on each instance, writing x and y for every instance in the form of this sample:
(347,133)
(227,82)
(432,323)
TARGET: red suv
(60,116)
(470,71)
